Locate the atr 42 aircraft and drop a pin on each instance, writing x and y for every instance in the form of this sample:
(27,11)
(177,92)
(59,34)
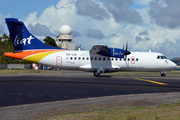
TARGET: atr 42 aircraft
(99,59)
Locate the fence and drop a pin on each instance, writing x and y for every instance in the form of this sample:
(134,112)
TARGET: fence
(3,66)
(15,66)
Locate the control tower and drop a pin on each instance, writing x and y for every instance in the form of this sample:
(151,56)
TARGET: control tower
(64,40)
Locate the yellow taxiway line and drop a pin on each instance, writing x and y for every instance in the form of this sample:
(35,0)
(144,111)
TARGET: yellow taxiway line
(160,83)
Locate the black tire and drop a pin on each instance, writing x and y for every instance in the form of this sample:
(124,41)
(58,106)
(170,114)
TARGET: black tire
(96,74)
(163,75)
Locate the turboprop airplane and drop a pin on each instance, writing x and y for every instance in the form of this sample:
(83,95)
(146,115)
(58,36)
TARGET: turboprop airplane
(99,59)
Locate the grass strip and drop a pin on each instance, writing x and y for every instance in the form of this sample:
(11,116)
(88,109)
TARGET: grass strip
(161,112)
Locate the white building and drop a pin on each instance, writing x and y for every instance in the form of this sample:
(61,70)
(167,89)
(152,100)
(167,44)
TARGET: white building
(64,40)
(4,39)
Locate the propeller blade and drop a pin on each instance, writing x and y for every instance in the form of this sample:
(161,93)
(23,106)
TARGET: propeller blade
(123,45)
(126,51)
(126,46)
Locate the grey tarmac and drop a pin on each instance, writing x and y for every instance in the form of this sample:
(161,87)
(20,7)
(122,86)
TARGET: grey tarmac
(35,96)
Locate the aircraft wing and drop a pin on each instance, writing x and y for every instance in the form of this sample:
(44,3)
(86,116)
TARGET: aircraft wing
(108,52)
(98,49)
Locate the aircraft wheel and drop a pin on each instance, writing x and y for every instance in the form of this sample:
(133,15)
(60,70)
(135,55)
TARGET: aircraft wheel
(96,73)
(163,75)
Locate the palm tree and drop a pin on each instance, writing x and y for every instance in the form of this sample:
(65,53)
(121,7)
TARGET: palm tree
(5,37)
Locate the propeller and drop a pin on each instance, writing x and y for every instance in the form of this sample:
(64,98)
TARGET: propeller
(126,51)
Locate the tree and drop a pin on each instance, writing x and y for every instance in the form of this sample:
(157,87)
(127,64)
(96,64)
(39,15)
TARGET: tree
(6,46)
(50,41)
(4,36)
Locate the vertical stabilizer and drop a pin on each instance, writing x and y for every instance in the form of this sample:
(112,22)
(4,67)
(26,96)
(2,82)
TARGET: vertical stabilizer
(22,39)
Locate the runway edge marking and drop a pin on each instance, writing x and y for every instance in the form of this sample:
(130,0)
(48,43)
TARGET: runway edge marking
(160,83)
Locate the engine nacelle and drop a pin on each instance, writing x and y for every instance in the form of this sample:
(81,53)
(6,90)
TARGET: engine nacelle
(113,52)
(116,52)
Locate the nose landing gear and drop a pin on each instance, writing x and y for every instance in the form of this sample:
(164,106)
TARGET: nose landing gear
(163,73)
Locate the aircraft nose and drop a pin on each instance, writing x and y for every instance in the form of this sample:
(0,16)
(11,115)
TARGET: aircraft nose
(173,65)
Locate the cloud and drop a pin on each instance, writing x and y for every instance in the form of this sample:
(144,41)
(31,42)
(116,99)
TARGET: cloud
(112,35)
(142,2)
(90,8)
(40,30)
(111,22)
(2,23)
(1,29)
(139,38)
(76,34)
(146,38)
(122,12)
(169,48)
(166,13)
(96,34)
(143,33)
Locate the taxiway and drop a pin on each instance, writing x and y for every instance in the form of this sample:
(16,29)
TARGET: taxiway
(17,92)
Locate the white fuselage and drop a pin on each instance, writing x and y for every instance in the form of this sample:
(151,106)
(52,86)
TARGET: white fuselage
(83,60)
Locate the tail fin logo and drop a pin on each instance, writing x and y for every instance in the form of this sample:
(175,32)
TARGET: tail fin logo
(23,41)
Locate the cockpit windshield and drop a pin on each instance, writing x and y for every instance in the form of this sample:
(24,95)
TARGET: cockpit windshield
(161,57)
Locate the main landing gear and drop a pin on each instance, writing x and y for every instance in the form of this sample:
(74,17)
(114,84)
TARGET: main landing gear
(163,73)
(98,72)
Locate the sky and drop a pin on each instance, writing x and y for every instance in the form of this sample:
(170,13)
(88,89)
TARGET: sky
(143,24)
